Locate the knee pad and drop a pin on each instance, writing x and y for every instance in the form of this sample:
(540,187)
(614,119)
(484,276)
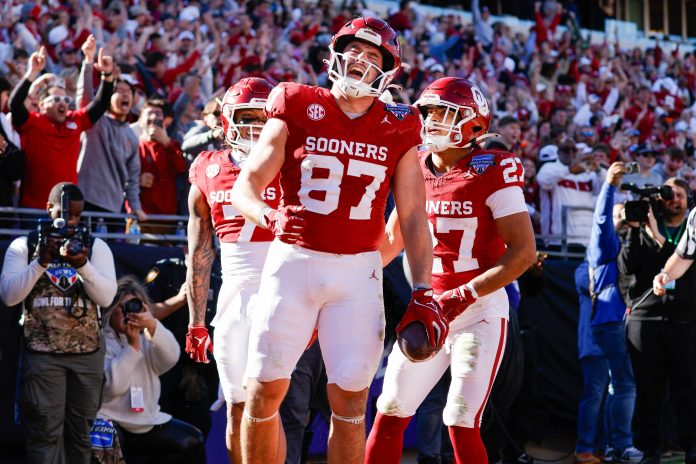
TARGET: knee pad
(352,375)
(389,405)
(459,413)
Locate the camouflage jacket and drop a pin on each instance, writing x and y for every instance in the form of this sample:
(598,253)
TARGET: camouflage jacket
(58,316)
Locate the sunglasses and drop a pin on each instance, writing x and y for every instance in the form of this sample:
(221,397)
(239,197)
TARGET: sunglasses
(57,99)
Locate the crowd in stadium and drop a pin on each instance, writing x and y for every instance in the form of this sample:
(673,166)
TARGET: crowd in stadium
(119,98)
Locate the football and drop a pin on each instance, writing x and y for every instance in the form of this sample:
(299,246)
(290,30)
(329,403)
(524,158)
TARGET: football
(413,342)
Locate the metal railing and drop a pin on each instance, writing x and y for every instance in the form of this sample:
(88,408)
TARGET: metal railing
(562,245)
(556,245)
(90,219)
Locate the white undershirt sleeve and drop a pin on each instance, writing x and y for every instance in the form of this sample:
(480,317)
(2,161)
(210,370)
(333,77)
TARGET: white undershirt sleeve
(505,202)
(18,276)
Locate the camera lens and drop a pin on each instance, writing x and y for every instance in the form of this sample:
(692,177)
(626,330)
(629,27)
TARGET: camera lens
(133,306)
(73,246)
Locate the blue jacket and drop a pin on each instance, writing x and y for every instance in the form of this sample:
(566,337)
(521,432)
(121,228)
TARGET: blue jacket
(587,345)
(602,252)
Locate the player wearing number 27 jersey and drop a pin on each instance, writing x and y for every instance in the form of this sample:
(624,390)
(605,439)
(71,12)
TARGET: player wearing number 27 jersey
(338,152)
(482,240)
(243,247)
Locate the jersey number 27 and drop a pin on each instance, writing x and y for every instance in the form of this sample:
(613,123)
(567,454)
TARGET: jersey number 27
(445,226)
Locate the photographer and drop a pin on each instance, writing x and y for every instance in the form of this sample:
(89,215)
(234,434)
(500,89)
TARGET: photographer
(63,278)
(608,361)
(660,329)
(138,350)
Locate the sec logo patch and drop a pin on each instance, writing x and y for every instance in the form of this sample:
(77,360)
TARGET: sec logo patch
(212,170)
(316,112)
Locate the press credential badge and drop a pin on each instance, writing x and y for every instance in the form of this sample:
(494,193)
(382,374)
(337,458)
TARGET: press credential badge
(137,401)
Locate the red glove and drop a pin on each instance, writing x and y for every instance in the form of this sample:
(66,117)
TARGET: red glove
(424,309)
(285,222)
(455,301)
(198,343)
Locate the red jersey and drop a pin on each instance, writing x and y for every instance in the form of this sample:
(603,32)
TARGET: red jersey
(165,163)
(340,168)
(51,153)
(214,173)
(462,207)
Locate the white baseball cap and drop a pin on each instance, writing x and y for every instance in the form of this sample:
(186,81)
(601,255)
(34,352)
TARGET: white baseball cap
(183,35)
(548,153)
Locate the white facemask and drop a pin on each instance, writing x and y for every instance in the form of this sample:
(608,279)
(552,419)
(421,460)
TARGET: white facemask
(351,87)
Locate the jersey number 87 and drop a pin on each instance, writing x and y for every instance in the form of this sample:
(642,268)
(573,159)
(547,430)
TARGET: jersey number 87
(331,185)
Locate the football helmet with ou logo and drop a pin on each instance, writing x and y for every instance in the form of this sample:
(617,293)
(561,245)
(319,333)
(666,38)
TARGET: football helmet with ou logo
(248,93)
(373,31)
(465,121)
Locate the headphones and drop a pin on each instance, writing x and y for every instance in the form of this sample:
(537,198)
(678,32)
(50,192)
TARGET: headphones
(690,200)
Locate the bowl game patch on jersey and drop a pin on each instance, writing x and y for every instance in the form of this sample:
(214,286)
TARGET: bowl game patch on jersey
(482,162)
(398,110)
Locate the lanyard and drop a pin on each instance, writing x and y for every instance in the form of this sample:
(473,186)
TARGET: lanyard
(679,233)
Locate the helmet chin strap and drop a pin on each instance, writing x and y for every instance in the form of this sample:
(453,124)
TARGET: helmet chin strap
(442,146)
(348,89)
(477,140)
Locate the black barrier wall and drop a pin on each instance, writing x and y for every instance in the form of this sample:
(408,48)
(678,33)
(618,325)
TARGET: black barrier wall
(548,314)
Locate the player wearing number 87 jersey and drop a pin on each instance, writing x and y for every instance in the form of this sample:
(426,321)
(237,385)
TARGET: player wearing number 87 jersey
(243,247)
(482,241)
(338,153)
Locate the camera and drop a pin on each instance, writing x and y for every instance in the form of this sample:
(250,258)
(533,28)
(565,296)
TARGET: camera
(73,239)
(134,305)
(637,210)
(631,168)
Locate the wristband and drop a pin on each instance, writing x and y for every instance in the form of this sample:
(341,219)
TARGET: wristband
(471,289)
(262,216)
(106,74)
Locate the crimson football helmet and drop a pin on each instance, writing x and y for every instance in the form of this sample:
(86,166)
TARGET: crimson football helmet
(373,31)
(469,107)
(248,93)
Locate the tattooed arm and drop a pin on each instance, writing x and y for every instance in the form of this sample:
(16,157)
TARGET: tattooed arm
(201,256)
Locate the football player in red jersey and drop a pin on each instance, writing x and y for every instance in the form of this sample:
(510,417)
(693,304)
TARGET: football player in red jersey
(338,153)
(243,248)
(482,241)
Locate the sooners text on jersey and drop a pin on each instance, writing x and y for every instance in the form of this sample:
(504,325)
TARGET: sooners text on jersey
(214,173)
(465,237)
(340,168)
